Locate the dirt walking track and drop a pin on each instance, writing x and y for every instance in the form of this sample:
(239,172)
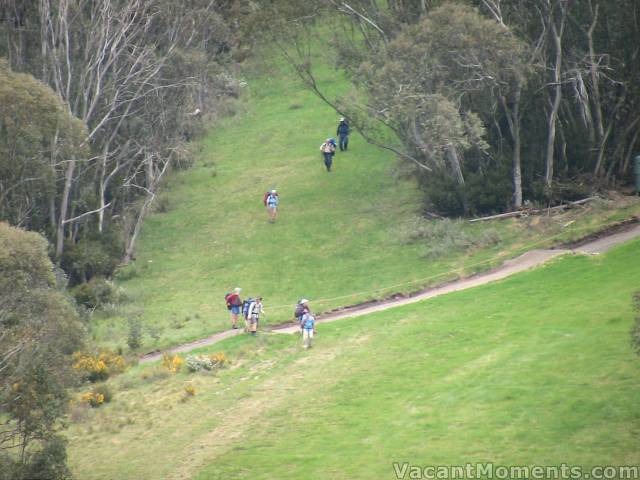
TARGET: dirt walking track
(530,259)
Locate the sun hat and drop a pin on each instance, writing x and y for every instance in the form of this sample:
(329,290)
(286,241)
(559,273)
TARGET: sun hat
(237,289)
(342,119)
(304,300)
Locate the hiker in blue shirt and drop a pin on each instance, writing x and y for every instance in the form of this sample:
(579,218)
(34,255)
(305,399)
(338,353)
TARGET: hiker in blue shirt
(302,308)
(343,134)
(308,329)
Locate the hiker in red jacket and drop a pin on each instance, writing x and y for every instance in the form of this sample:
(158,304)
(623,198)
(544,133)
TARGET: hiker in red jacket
(234,302)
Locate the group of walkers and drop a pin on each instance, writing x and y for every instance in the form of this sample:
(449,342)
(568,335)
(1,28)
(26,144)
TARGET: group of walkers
(252,309)
(271,199)
(328,148)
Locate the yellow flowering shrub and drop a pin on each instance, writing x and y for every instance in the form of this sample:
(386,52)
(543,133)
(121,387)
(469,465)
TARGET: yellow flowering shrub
(97,396)
(173,363)
(196,363)
(218,359)
(190,390)
(98,367)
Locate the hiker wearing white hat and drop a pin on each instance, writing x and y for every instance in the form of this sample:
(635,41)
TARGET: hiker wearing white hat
(343,134)
(234,302)
(271,200)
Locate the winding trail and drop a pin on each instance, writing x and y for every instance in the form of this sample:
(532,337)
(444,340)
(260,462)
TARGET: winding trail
(526,261)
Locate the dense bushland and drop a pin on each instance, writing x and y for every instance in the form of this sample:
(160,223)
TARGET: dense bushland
(492,103)
(130,83)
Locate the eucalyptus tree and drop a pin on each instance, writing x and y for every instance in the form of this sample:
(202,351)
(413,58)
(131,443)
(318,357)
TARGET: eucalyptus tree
(39,332)
(124,68)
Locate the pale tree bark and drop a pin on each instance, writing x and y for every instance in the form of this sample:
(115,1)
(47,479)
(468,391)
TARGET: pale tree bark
(101,79)
(154,175)
(594,7)
(64,205)
(557,32)
(456,168)
(513,120)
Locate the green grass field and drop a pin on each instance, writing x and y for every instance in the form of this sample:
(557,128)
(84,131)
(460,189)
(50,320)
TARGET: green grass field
(339,238)
(535,369)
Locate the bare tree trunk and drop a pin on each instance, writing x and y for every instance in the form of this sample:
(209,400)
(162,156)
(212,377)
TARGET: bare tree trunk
(456,167)
(151,194)
(66,194)
(557,33)
(595,87)
(513,119)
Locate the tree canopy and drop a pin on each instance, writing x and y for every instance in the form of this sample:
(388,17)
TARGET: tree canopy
(39,331)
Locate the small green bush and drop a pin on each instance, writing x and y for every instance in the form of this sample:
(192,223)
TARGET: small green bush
(49,462)
(96,293)
(127,272)
(135,334)
(94,255)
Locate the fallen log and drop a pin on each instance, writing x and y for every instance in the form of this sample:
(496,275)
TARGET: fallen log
(531,211)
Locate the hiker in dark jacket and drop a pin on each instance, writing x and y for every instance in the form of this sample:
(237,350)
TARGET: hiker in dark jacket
(343,134)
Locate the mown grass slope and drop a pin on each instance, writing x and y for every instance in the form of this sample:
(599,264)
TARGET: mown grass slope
(339,238)
(535,369)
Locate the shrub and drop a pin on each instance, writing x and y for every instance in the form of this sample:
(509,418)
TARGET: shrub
(94,255)
(196,363)
(104,391)
(127,272)
(172,363)
(487,189)
(155,332)
(97,396)
(190,390)
(134,335)
(97,293)
(100,366)
(49,462)
(218,359)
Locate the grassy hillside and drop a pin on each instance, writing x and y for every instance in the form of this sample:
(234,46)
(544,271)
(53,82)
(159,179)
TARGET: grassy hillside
(536,369)
(340,238)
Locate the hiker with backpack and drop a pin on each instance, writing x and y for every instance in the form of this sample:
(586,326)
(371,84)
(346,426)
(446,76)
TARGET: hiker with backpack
(343,134)
(328,150)
(271,200)
(302,308)
(253,315)
(308,329)
(234,302)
